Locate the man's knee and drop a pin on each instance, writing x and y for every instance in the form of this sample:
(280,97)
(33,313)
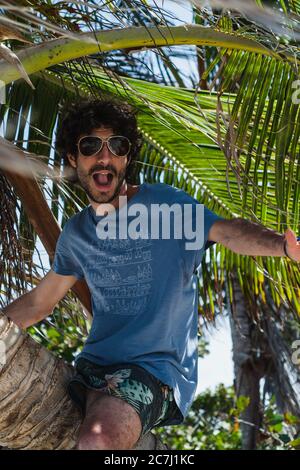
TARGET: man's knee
(96,438)
(110,424)
(93,440)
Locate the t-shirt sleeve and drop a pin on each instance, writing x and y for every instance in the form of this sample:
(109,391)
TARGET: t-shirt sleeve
(201,219)
(198,218)
(64,262)
(209,219)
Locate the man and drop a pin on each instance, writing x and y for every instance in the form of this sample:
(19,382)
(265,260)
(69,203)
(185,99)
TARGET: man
(138,368)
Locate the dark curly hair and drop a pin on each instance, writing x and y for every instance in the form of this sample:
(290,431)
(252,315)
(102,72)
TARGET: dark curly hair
(81,117)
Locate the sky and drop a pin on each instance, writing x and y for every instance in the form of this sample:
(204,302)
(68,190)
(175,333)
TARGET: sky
(217,366)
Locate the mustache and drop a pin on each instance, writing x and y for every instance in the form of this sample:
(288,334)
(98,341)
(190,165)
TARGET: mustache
(102,167)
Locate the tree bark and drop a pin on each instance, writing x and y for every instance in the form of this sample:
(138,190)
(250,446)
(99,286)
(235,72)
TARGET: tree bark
(258,354)
(38,211)
(287,374)
(248,368)
(35,409)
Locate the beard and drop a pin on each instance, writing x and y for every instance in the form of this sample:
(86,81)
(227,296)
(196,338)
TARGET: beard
(95,195)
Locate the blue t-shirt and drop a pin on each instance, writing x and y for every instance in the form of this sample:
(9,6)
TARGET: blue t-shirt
(144,291)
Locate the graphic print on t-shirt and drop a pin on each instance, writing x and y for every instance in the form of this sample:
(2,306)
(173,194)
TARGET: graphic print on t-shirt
(121,274)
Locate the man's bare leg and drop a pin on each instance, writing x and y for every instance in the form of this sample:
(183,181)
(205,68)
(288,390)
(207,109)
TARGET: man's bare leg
(110,423)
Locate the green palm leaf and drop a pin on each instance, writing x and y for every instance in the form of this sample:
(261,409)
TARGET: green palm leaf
(180,149)
(236,151)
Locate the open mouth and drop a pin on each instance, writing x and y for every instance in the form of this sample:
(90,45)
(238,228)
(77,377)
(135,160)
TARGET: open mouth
(103,179)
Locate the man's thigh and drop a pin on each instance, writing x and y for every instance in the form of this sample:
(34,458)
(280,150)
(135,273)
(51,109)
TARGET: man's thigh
(109,423)
(152,400)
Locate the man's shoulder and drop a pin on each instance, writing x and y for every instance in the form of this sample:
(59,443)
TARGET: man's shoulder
(163,188)
(171,194)
(76,220)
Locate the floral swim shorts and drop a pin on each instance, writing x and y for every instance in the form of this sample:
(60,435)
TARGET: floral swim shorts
(152,400)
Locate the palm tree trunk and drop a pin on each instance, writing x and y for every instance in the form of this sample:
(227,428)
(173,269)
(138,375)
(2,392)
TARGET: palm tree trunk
(286,374)
(248,367)
(258,354)
(35,410)
(38,211)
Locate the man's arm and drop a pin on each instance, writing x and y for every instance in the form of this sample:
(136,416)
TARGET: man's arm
(37,304)
(248,238)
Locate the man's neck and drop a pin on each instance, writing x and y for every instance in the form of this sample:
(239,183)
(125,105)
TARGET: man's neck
(103,208)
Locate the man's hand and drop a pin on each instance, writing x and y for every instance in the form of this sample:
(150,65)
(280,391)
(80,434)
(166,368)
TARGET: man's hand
(292,245)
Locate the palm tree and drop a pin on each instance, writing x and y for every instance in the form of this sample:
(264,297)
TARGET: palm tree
(234,147)
(28,373)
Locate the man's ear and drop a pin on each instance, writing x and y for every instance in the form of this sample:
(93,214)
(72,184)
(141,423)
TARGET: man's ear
(70,171)
(72,160)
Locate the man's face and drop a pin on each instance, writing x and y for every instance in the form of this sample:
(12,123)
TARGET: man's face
(103,174)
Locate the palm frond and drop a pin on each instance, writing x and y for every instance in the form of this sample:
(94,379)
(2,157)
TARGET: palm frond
(236,149)
(181,148)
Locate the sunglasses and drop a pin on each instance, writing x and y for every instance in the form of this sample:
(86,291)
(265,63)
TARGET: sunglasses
(117,144)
